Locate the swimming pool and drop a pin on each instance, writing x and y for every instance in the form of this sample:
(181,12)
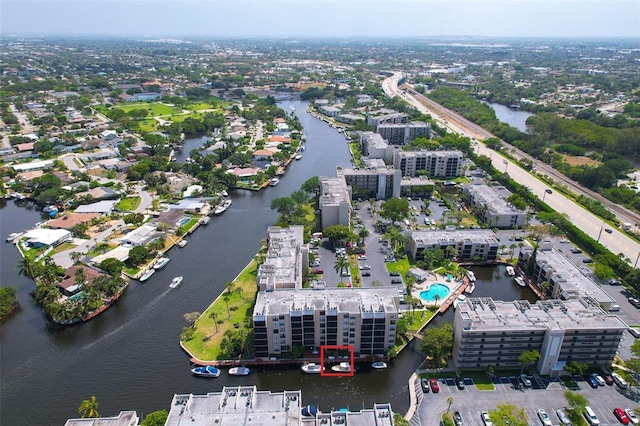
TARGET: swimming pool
(183,221)
(435,290)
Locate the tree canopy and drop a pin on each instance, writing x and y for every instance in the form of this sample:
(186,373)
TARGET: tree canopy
(508,414)
(395,209)
(438,342)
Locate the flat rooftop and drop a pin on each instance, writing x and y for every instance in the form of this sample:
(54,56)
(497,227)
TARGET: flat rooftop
(333,191)
(486,195)
(444,237)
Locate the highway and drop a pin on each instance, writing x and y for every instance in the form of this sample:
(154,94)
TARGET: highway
(617,241)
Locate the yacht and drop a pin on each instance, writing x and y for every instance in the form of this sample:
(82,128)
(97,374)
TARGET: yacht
(176,282)
(459,299)
(379,365)
(239,371)
(161,263)
(343,367)
(205,371)
(510,271)
(183,243)
(206,220)
(311,368)
(520,281)
(299,157)
(470,287)
(147,274)
(222,207)
(274,181)
(471,276)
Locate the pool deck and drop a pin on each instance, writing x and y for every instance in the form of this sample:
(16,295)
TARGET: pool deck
(456,287)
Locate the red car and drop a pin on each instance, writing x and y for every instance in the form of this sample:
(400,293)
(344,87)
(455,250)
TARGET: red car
(621,415)
(433,383)
(318,271)
(608,379)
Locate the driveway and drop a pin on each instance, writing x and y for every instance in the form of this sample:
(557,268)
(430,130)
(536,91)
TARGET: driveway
(63,258)
(145,199)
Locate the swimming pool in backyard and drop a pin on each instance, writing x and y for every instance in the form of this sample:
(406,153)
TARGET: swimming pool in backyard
(435,290)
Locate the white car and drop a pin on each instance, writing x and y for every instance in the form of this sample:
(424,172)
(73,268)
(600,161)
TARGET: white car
(365,267)
(599,379)
(632,416)
(484,415)
(525,380)
(562,416)
(544,418)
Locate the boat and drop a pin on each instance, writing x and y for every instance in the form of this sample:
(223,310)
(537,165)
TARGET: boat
(470,288)
(239,371)
(471,276)
(312,368)
(309,411)
(147,274)
(175,282)
(183,243)
(379,365)
(343,367)
(299,157)
(205,371)
(161,263)
(520,281)
(221,208)
(206,220)
(510,271)
(50,209)
(301,148)
(274,181)
(304,137)
(459,299)
(224,193)
(13,236)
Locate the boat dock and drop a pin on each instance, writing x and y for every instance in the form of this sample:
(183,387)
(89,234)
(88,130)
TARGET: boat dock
(443,308)
(275,362)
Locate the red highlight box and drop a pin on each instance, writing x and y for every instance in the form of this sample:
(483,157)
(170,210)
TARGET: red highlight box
(332,373)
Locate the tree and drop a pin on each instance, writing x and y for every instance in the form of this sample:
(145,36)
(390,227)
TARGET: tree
(337,233)
(438,342)
(112,266)
(395,209)
(528,358)
(156,418)
(138,255)
(285,206)
(214,316)
(508,414)
(340,265)
(576,368)
(576,401)
(449,402)
(191,317)
(225,297)
(89,408)
(28,267)
(75,256)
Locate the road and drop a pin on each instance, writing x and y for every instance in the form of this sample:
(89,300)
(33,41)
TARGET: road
(63,258)
(145,199)
(617,241)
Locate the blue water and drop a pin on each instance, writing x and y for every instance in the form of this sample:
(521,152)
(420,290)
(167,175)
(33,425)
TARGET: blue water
(437,289)
(183,221)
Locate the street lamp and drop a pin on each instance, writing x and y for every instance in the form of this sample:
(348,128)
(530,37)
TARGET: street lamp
(600,233)
(546,191)
(506,164)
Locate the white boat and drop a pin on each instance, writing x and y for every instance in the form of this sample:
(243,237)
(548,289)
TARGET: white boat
(14,235)
(471,276)
(147,274)
(239,371)
(175,282)
(161,263)
(520,281)
(205,371)
(379,365)
(459,299)
(299,157)
(274,181)
(510,271)
(470,288)
(224,193)
(343,367)
(206,220)
(183,243)
(222,207)
(312,368)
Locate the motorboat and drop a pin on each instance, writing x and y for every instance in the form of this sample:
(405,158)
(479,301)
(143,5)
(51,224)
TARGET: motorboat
(239,371)
(221,208)
(274,181)
(343,367)
(206,220)
(224,193)
(298,157)
(183,243)
(147,274)
(176,282)
(471,276)
(379,365)
(311,368)
(510,271)
(520,281)
(13,236)
(205,371)
(161,263)
(470,288)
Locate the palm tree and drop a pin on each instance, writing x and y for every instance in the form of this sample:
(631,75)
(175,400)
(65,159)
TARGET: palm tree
(214,317)
(75,256)
(28,267)
(340,265)
(229,287)
(226,302)
(449,401)
(89,408)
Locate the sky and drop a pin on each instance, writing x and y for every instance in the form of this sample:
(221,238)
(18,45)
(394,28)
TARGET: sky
(322,18)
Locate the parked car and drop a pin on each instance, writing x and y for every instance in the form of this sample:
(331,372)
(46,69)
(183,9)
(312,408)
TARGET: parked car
(394,274)
(544,418)
(635,302)
(575,250)
(396,281)
(587,260)
(562,416)
(433,383)
(621,415)
(591,417)
(608,231)
(525,380)
(459,383)
(608,379)
(364,267)
(484,415)
(457,419)
(318,271)
(622,383)
(633,419)
(366,274)
(599,379)
(424,383)
(592,382)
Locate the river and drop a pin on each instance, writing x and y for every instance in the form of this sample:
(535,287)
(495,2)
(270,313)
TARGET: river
(129,357)
(513,117)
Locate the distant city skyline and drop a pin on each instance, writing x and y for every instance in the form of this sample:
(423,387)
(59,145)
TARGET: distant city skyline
(323,18)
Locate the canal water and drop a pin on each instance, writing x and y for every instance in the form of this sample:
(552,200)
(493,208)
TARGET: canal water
(129,357)
(513,117)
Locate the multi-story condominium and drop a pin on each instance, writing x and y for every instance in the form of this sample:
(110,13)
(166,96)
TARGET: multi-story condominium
(385,117)
(125,418)
(330,111)
(416,186)
(466,244)
(334,201)
(488,332)
(401,134)
(246,405)
(374,180)
(374,146)
(491,208)
(435,164)
(365,319)
(349,118)
(566,280)
(286,261)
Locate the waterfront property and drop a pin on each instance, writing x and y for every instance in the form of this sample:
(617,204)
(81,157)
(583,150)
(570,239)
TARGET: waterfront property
(401,134)
(492,208)
(286,260)
(374,180)
(436,164)
(306,318)
(125,418)
(466,244)
(334,201)
(488,332)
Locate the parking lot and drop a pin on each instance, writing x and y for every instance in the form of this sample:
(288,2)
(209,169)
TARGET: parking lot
(543,394)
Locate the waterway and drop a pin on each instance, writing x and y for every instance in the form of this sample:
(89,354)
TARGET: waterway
(513,117)
(129,356)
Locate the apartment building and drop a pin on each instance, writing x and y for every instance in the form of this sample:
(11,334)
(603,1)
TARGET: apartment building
(374,146)
(488,332)
(386,117)
(334,201)
(286,262)
(246,405)
(374,180)
(365,319)
(566,280)
(491,207)
(435,164)
(401,134)
(466,244)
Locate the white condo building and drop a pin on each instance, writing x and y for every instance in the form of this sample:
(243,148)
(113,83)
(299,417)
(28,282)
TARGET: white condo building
(334,201)
(286,261)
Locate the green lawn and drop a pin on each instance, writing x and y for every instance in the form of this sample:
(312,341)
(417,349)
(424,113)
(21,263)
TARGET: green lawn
(190,224)
(148,125)
(480,379)
(182,117)
(63,247)
(155,108)
(402,266)
(129,204)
